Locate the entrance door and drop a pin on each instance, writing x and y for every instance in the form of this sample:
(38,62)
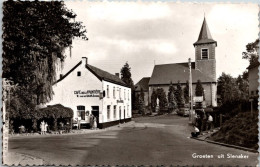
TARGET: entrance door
(95,112)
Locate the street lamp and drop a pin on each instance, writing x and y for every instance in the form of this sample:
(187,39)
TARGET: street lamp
(190,93)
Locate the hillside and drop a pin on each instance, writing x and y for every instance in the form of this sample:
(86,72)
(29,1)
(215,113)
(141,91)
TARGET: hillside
(242,130)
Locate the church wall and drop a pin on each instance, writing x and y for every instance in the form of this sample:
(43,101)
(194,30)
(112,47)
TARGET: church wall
(210,92)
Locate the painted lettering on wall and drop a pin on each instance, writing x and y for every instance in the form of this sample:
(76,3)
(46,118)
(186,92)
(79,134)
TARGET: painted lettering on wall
(87,93)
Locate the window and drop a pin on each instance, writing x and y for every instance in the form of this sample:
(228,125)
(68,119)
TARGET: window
(204,54)
(114,111)
(114,92)
(127,110)
(128,95)
(78,73)
(108,112)
(124,94)
(107,91)
(120,93)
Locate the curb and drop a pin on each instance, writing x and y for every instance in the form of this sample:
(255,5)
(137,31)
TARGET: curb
(226,145)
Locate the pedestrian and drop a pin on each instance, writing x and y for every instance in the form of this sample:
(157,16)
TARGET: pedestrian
(195,132)
(42,125)
(210,122)
(91,121)
(204,121)
(95,123)
(78,121)
(45,127)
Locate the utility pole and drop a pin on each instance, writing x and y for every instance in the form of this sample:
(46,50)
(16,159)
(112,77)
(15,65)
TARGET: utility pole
(190,94)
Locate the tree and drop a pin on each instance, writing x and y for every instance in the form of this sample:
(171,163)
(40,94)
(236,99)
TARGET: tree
(126,76)
(186,92)
(179,95)
(141,104)
(227,88)
(172,104)
(243,87)
(251,52)
(199,90)
(162,99)
(35,34)
(153,100)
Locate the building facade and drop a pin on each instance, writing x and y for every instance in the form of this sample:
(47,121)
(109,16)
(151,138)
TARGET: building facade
(143,84)
(253,79)
(203,69)
(90,90)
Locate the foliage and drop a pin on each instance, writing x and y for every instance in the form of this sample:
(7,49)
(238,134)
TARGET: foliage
(162,99)
(35,34)
(251,52)
(172,104)
(240,130)
(186,92)
(232,89)
(126,76)
(179,95)
(153,100)
(141,106)
(199,90)
(55,111)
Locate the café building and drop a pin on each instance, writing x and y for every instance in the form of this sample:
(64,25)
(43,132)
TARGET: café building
(89,90)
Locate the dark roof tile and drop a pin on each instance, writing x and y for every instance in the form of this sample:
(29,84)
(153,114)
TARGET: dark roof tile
(143,84)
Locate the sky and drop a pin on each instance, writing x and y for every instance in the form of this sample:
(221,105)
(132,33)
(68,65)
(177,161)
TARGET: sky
(148,33)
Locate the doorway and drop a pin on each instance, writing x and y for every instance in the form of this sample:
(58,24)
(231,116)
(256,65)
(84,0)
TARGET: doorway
(95,112)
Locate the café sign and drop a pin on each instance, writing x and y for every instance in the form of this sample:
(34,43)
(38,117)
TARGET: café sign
(87,93)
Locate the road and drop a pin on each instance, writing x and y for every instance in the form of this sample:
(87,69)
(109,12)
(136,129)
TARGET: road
(161,140)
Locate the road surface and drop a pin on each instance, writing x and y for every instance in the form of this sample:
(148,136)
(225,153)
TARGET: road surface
(161,140)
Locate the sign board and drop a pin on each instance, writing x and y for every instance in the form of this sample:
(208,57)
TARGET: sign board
(87,93)
(120,101)
(198,99)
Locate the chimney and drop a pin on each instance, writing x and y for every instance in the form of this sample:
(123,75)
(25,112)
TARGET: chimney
(117,74)
(84,61)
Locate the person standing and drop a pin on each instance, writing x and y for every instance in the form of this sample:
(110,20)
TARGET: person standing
(45,128)
(210,122)
(42,125)
(95,123)
(91,120)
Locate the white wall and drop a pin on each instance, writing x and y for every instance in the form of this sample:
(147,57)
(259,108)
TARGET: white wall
(65,90)
(111,100)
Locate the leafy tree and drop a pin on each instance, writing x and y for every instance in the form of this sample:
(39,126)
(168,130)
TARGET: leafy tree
(179,95)
(162,99)
(35,34)
(153,100)
(171,98)
(199,90)
(243,87)
(227,88)
(126,76)
(251,52)
(186,92)
(141,104)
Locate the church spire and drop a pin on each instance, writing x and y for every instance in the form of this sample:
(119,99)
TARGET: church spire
(204,36)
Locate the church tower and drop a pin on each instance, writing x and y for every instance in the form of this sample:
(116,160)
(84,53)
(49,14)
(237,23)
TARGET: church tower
(205,60)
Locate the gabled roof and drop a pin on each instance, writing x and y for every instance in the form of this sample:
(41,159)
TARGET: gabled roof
(142,84)
(103,75)
(204,36)
(100,74)
(166,73)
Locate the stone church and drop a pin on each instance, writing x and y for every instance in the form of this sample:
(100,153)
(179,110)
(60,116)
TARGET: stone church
(203,69)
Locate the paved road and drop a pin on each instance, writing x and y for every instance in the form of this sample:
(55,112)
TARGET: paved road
(159,140)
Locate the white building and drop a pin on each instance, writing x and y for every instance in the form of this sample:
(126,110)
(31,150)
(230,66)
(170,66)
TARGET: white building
(87,89)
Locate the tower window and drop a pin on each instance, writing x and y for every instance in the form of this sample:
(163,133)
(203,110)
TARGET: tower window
(204,54)
(79,73)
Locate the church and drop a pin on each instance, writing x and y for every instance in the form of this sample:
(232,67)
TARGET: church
(203,69)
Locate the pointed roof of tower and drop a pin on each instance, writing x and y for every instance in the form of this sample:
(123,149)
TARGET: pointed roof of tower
(205,36)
